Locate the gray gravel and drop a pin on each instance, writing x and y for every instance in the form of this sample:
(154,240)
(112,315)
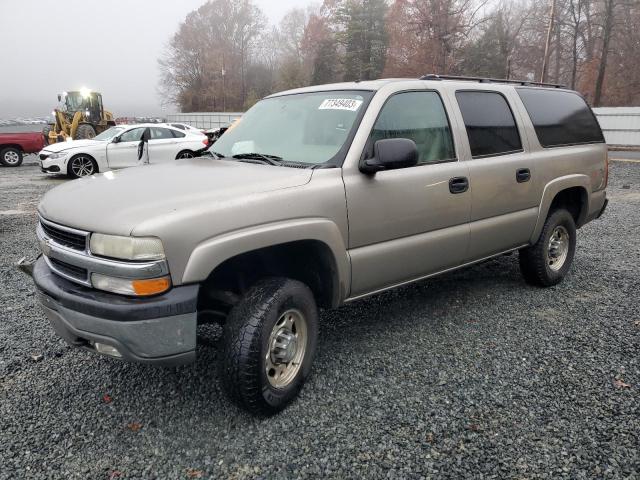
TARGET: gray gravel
(473,374)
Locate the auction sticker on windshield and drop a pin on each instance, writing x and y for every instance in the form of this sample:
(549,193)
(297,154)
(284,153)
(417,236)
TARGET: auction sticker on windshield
(340,104)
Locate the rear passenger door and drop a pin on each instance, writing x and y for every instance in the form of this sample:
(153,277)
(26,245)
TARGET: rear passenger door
(411,222)
(502,174)
(162,145)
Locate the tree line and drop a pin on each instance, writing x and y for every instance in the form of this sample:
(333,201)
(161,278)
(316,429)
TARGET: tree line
(225,56)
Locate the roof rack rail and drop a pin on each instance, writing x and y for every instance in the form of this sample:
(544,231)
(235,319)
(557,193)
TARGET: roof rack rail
(525,83)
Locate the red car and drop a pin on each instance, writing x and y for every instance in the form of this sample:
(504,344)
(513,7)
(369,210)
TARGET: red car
(14,145)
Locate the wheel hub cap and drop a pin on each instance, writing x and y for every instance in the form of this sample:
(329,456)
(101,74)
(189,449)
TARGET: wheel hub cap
(558,248)
(11,158)
(286,348)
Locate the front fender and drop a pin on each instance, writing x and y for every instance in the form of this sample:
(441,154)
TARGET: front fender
(213,252)
(551,190)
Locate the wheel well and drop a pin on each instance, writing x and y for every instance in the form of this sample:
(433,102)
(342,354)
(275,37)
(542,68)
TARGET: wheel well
(184,151)
(574,200)
(309,261)
(11,145)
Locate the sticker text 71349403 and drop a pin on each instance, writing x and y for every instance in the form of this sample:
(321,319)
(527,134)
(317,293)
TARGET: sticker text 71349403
(340,104)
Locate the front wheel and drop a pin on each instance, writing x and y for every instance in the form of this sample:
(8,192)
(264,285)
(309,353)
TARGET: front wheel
(547,262)
(85,132)
(82,166)
(11,157)
(268,345)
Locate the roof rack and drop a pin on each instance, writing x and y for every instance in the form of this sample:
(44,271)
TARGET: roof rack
(525,83)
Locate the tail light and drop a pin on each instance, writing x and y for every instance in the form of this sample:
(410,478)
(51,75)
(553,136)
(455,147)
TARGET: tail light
(205,142)
(606,170)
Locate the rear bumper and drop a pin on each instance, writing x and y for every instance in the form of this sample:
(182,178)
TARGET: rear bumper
(159,330)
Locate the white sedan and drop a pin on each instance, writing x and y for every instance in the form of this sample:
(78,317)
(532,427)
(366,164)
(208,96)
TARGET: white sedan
(117,147)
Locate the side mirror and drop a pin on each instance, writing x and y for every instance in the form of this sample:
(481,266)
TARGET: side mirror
(115,140)
(391,154)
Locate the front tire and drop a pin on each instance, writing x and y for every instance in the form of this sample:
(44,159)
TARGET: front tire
(85,132)
(82,166)
(548,261)
(269,342)
(11,157)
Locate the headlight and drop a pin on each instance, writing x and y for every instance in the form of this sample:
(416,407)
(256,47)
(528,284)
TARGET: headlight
(127,248)
(124,286)
(55,156)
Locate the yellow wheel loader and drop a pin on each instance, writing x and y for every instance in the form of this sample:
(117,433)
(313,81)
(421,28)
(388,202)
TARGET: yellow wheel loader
(81,115)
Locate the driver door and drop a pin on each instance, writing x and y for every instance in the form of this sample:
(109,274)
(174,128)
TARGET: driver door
(124,153)
(411,222)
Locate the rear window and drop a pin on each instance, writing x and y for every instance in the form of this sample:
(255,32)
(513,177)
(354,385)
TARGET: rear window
(490,125)
(560,117)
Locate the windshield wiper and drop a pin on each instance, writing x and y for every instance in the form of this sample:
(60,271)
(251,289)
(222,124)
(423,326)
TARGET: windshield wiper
(269,159)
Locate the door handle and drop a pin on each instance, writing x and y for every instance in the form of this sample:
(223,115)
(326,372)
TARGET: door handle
(458,184)
(523,175)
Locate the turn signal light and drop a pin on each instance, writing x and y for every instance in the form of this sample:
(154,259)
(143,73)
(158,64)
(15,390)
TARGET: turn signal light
(151,286)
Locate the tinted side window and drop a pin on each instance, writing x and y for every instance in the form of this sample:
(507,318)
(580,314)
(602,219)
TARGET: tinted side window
(421,117)
(559,117)
(490,125)
(177,134)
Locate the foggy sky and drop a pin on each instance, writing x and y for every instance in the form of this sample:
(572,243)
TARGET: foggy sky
(47,47)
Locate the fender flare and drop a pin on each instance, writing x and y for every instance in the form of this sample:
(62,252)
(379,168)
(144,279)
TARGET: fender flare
(211,253)
(550,191)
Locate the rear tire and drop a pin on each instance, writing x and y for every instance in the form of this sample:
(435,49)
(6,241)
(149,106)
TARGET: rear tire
(268,345)
(11,157)
(548,261)
(185,154)
(85,132)
(81,166)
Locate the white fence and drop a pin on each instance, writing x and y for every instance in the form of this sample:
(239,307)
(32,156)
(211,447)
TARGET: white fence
(620,125)
(205,120)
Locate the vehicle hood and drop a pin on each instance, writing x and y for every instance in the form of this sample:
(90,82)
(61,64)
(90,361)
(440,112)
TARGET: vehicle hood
(62,146)
(116,202)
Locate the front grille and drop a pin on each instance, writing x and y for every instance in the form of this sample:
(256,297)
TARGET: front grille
(65,238)
(70,270)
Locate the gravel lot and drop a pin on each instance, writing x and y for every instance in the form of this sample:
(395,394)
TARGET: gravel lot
(473,374)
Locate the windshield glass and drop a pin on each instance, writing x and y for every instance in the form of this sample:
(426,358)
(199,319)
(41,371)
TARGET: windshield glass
(74,101)
(109,134)
(306,128)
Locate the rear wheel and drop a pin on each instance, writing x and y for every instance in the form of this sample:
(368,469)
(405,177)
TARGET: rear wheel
(11,157)
(82,166)
(185,154)
(85,131)
(547,262)
(269,343)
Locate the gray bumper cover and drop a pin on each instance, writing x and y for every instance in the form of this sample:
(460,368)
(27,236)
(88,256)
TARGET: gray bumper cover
(159,330)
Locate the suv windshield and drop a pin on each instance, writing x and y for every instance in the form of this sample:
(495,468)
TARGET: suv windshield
(109,134)
(309,128)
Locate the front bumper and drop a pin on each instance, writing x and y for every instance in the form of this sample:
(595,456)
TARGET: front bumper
(159,330)
(57,165)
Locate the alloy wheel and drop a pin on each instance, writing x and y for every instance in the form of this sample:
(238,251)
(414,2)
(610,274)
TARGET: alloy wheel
(82,166)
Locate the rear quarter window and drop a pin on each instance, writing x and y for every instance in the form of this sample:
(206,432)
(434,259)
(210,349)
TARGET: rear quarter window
(490,125)
(560,117)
